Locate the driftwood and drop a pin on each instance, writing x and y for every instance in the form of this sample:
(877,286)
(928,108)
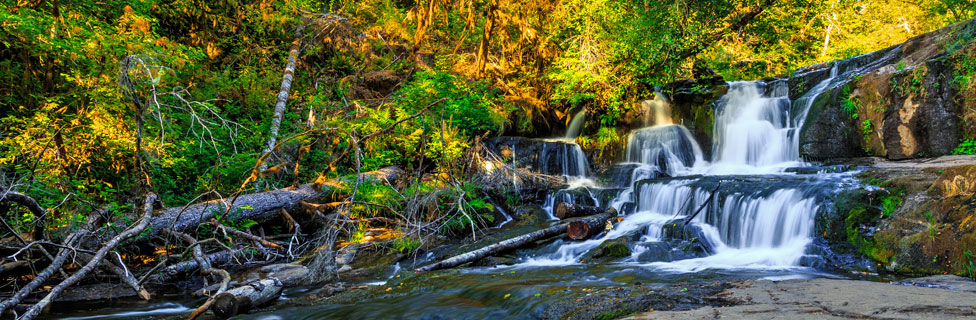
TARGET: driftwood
(588,227)
(260,207)
(241,299)
(133,230)
(517,242)
(565,210)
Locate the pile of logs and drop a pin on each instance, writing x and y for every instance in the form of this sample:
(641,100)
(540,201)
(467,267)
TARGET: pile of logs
(92,250)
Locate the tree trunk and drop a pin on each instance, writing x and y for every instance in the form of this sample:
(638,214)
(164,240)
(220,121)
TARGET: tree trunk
(425,15)
(517,242)
(241,299)
(486,37)
(565,210)
(286,80)
(588,227)
(260,207)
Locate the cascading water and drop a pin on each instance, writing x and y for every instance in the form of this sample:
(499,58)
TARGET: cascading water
(760,217)
(576,125)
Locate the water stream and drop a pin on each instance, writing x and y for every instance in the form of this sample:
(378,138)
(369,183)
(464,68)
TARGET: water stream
(759,223)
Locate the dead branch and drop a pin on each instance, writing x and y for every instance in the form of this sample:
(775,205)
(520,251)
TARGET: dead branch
(133,230)
(286,80)
(245,235)
(207,269)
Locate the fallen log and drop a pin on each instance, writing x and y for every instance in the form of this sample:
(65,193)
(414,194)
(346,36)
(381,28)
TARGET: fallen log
(514,243)
(260,207)
(242,299)
(9,267)
(588,227)
(565,210)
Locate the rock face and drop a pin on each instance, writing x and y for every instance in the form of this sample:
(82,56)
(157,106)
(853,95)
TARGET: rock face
(902,102)
(921,218)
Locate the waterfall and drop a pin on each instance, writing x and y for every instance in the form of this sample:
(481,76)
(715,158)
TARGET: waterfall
(669,147)
(657,111)
(576,125)
(759,217)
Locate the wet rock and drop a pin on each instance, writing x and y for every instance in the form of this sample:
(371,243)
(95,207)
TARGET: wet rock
(693,105)
(617,302)
(610,249)
(919,217)
(493,261)
(531,215)
(693,236)
(655,251)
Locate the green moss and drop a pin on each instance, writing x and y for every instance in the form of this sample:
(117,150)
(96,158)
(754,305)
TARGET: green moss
(615,314)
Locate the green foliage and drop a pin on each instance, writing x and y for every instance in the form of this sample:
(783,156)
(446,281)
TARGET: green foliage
(866,128)
(875,248)
(970,266)
(405,245)
(967,146)
(891,201)
(848,103)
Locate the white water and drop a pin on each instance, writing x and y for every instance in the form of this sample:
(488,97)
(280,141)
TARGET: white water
(576,125)
(755,134)
(657,111)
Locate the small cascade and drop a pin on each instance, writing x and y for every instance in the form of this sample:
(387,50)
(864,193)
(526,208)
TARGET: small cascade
(753,129)
(759,215)
(576,125)
(669,147)
(657,111)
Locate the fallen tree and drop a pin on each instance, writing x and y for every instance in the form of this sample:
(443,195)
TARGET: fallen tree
(260,207)
(590,223)
(589,227)
(566,210)
(133,230)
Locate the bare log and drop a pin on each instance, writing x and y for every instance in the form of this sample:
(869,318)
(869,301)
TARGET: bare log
(242,299)
(286,80)
(260,207)
(135,229)
(588,227)
(565,210)
(515,243)
(55,266)
(173,271)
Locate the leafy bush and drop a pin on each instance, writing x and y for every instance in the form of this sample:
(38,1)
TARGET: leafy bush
(967,146)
